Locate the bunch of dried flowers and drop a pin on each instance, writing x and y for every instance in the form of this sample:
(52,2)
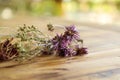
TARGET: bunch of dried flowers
(67,44)
(34,43)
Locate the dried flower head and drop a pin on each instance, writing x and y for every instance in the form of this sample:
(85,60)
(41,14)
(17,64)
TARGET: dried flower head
(50,27)
(71,33)
(8,50)
(66,52)
(81,51)
(57,41)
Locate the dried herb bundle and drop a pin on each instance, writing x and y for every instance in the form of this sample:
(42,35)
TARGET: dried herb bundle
(32,41)
(8,50)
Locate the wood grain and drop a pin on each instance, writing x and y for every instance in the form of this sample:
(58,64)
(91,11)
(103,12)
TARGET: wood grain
(102,62)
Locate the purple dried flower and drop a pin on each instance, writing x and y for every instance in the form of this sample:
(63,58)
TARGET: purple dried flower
(64,52)
(62,43)
(56,41)
(71,33)
(81,51)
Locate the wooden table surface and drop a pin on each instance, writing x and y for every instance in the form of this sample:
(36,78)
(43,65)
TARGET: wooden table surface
(102,62)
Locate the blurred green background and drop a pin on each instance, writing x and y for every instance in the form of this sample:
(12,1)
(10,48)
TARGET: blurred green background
(106,11)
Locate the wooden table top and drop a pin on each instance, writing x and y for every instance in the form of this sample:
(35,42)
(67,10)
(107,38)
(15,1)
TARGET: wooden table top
(102,62)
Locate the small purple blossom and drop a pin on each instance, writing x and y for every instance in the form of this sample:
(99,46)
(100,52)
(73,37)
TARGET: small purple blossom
(57,41)
(71,33)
